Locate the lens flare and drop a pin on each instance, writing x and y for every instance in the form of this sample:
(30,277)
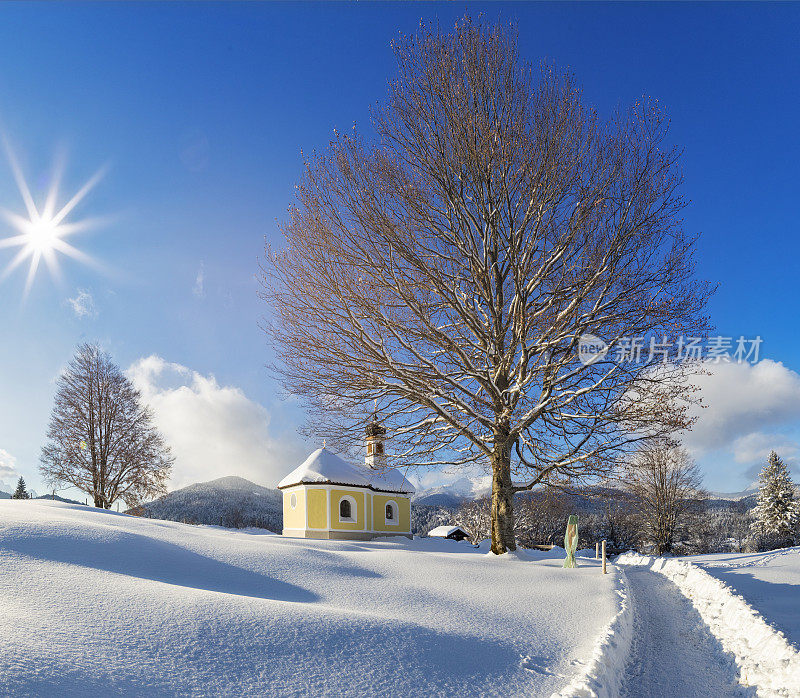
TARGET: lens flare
(40,233)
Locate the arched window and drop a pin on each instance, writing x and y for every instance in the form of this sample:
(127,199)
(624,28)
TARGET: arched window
(379,448)
(389,512)
(293,501)
(345,510)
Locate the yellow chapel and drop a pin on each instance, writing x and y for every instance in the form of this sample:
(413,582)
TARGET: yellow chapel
(327,497)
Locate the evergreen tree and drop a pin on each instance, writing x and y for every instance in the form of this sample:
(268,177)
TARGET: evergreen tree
(21,491)
(777,513)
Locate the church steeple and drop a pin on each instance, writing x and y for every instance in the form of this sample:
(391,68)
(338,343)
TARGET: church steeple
(376,454)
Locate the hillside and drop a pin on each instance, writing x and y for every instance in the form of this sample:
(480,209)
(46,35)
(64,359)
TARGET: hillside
(231,501)
(98,603)
(234,502)
(7,495)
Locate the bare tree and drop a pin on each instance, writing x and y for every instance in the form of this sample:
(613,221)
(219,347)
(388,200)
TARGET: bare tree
(666,489)
(475,517)
(101,438)
(541,517)
(447,269)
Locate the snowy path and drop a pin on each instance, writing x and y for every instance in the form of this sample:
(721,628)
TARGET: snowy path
(674,653)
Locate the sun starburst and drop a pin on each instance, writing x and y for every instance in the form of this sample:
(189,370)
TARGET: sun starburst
(41,233)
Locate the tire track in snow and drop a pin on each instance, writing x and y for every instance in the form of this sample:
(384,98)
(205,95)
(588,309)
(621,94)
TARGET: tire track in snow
(674,653)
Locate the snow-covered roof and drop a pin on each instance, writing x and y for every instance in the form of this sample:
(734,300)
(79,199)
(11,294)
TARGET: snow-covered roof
(322,466)
(391,480)
(444,531)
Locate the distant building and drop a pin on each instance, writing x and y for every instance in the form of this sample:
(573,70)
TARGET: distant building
(327,497)
(451,532)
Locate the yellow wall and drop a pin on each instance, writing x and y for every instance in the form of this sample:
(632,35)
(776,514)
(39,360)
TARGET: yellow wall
(311,511)
(358,524)
(294,518)
(317,509)
(379,513)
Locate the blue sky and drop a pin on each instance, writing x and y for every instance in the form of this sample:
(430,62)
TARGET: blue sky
(201,112)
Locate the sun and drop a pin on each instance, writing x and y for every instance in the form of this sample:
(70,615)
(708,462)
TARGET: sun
(41,233)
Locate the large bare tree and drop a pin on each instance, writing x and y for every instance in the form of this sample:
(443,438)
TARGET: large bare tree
(666,489)
(445,270)
(101,438)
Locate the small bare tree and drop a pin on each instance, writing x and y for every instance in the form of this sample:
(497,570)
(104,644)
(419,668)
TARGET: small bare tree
(666,489)
(475,517)
(541,517)
(448,268)
(101,438)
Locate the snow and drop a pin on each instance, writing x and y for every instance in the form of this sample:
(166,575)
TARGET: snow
(673,653)
(228,501)
(444,531)
(94,602)
(324,466)
(454,493)
(777,512)
(603,675)
(765,659)
(750,491)
(391,480)
(769,582)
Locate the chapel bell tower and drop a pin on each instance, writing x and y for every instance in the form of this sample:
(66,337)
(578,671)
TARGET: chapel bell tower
(376,455)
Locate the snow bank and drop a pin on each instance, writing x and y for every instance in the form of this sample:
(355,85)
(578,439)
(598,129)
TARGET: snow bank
(769,581)
(605,670)
(98,603)
(764,656)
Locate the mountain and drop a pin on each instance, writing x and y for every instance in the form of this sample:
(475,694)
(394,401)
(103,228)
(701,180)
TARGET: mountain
(453,494)
(57,498)
(229,501)
(7,495)
(749,491)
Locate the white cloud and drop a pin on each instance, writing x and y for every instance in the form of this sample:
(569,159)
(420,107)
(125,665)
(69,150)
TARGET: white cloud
(199,288)
(741,399)
(213,430)
(8,470)
(755,447)
(753,450)
(83,304)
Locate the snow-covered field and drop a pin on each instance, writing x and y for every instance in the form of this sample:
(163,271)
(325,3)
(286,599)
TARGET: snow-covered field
(769,582)
(98,603)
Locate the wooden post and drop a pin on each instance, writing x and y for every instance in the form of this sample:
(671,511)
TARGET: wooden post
(604,558)
(597,550)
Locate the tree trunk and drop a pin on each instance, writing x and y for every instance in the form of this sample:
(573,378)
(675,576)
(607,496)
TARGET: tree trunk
(98,502)
(502,502)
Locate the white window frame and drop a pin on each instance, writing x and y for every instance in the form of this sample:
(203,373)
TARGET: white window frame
(353,509)
(395,510)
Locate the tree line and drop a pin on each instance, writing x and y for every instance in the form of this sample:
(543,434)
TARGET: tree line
(659,508)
